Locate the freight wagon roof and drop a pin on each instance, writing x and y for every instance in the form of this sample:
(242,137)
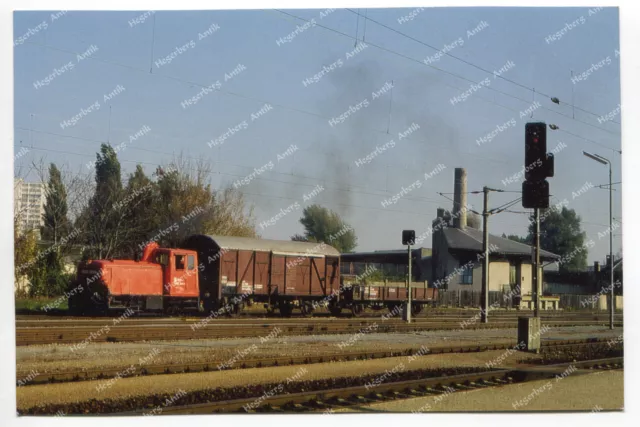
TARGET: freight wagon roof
(286,247)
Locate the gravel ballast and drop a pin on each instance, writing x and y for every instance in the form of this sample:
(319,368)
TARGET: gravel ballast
(58,358)
(123,388)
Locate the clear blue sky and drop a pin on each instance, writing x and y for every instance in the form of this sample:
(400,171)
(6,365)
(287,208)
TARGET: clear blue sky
(326,155)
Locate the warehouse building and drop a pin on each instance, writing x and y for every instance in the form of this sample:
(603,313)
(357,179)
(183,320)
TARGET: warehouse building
(457,255)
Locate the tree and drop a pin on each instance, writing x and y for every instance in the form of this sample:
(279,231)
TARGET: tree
(25,249)
(230,216)
(56,222)
(324,225)
(140,207)
(190,205)
(561,234)
(516,238)
(102,221)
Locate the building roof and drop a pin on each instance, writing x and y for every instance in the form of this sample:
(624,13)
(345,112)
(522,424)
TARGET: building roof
(286,247)
(470,239)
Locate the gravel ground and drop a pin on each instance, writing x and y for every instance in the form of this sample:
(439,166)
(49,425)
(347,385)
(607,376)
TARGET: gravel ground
(599,391)
(57,358)
(140,386)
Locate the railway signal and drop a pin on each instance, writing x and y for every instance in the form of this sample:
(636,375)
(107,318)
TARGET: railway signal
(538,166)
(408,237)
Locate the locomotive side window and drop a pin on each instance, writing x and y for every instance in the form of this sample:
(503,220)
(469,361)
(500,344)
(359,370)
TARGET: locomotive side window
(162,259)
(179,262)
(190,262)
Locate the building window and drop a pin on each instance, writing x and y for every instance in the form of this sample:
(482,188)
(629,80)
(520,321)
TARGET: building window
(466,275)
(513,278)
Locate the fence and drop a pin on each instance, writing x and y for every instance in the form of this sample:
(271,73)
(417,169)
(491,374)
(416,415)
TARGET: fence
(463,298)
(498,299)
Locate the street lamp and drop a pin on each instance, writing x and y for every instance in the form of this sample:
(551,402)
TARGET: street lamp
(604,161)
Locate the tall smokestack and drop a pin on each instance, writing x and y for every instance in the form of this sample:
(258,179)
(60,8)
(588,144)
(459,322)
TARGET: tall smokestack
(460,198)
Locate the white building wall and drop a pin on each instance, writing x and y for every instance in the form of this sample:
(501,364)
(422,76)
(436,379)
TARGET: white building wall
(29,199)
(498,275)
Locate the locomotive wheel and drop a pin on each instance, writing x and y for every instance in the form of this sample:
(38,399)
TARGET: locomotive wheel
(285,309)
(357,310)
(306,308)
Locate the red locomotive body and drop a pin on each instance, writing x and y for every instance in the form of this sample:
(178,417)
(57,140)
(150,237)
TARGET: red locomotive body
(164,279)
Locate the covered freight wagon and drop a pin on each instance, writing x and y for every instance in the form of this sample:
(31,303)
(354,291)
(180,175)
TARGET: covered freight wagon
(282,274)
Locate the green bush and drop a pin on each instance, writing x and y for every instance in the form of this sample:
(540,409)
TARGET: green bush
(48,278)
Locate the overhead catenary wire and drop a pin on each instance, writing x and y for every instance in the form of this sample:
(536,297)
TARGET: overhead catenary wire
(313,114)
(330,202)
(226,91)
(322,180)
(258,178)
(450,73)
(273,104)
(479,67)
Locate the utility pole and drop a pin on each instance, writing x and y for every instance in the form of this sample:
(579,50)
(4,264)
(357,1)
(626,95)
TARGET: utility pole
(409,286)
(408,238)
(484,298)
(605,161)
(613,298)
(536,265)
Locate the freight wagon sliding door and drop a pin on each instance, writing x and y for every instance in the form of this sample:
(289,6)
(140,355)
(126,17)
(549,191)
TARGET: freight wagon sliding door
(277,274)
(245,271)
(261,274)
(303,276)
(318,282)
(332,273)
(291,277)
(228,278)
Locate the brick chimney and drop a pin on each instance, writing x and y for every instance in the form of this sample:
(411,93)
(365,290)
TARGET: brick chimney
(460,198)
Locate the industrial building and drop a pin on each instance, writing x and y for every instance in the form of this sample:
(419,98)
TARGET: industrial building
(454,262)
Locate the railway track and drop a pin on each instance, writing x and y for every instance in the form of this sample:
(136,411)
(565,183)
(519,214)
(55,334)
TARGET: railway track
(56,321)
(107,332)
(329,399)
(163,369)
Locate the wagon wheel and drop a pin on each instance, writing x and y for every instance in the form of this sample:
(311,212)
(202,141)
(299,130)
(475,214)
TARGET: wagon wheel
(306,309)
(394,309)
(235,309)
(334,308)
(285,309)
(357,310)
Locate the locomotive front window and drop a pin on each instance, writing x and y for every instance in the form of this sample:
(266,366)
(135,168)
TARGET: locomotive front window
(179,262)
(190,262)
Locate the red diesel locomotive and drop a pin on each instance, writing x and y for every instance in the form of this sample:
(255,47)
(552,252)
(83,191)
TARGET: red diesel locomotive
(223,273)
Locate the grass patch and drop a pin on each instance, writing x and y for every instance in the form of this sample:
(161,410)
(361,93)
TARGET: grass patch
(36,304)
